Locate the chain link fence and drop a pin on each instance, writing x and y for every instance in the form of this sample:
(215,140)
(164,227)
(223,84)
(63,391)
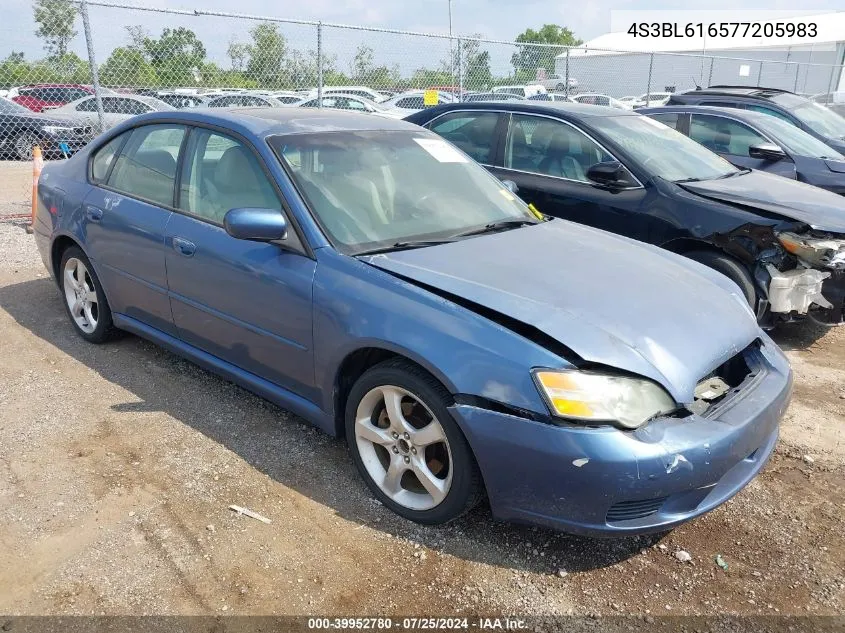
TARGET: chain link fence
(107,61)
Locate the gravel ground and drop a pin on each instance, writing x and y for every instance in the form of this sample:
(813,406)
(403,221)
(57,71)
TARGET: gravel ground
(118,464)
(16,189)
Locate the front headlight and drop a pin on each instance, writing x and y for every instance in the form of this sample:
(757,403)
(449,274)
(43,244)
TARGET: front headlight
(822,252)
(56,130)
(597,397)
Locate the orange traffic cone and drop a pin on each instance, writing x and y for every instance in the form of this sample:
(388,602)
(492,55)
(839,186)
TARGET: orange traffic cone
(37,166)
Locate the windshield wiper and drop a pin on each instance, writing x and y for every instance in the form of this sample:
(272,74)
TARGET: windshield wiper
(743,170)
(404,246)
(501,225)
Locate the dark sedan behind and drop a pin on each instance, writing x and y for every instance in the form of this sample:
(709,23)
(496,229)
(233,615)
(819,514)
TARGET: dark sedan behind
(758,141)
(21,129)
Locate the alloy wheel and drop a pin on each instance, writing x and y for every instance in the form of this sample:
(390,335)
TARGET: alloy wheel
(403,447)
(23,146)
(81,295)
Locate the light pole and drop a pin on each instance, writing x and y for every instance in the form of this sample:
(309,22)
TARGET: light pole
(451,47)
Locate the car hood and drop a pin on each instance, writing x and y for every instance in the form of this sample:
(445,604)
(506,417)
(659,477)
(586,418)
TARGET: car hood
(821,209)
(609,299)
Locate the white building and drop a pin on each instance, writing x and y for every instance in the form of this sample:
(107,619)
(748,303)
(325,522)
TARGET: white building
(620,64)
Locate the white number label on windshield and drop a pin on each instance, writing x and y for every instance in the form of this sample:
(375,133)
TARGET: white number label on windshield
(441,150)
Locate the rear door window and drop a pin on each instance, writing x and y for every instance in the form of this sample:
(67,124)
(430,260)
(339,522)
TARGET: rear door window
(105,156)
(146,167)
(474,132)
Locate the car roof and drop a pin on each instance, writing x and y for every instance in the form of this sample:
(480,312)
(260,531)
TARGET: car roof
(272,121)
(562,109)
(739,91)
(733,113)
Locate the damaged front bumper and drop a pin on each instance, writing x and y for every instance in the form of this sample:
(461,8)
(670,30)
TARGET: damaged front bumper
(604,481)
(816,286)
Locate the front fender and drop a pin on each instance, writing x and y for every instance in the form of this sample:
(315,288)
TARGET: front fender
(358,306)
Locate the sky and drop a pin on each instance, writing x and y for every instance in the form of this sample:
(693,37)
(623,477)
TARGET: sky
(499,19)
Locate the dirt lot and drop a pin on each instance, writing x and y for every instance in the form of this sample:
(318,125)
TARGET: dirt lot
(119,463)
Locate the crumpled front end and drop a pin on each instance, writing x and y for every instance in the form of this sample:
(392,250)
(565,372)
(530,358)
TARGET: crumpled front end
(605,481)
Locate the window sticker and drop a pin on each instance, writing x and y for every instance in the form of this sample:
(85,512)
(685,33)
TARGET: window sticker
(441,150)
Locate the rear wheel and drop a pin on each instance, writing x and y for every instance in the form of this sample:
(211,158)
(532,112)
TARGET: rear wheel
(85,300)
(730,268)
(407,447)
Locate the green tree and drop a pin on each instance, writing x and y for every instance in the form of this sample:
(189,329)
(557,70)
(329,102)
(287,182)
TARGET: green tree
(137,35)
(527,59)
(126,66)
(238,52)
(177,56)
(55,19)
(267,55)
(474,62)
(15,57)
(362,65)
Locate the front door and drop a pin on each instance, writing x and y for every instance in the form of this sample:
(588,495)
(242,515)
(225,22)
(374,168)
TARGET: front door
(548,160)
(247,303)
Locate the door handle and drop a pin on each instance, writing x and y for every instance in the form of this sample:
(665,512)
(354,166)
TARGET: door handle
(184,247)
(93,213)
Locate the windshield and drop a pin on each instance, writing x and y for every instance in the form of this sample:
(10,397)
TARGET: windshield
(797,141)
(10,107)
(821,120)
(662,151)
(376,189)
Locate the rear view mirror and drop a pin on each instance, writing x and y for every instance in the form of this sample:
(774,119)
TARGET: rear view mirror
(766,151)
(610,174)
(510,185)
(258,225)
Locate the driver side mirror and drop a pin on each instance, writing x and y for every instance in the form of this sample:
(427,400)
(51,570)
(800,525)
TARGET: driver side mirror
(609,174)
(766,151)
(257,225)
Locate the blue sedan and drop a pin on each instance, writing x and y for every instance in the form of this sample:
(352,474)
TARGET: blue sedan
(758,141)
(368,276)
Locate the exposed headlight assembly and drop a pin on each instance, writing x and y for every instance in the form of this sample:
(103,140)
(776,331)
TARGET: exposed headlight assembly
(822,252)
(589,396)
(57,130)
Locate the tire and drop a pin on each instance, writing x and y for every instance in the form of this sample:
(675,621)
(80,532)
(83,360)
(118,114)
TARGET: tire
(85,302)
(731,269)
(393,452)
(23,146)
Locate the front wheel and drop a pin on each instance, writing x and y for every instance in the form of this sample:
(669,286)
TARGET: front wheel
(407,447)
(24,144)
(730,268)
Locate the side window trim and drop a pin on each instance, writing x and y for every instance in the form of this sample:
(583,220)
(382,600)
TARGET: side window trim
(639,184)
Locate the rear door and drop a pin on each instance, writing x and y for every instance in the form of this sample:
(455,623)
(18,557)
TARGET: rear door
(125,216)
(732,140)
(247,303)
(548,159)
